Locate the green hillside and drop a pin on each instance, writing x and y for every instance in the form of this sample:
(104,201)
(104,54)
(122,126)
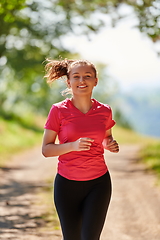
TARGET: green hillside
(19,135)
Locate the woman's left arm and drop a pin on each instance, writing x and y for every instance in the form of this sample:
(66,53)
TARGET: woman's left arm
(109,143)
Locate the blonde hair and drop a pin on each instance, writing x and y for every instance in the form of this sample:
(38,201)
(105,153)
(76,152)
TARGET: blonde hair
(56,69)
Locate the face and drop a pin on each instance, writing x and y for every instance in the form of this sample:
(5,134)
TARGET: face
(82,79)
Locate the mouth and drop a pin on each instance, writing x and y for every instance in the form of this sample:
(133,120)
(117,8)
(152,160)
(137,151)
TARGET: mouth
(82,86)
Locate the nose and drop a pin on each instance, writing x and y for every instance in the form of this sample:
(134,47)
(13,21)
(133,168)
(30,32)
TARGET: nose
(81,79)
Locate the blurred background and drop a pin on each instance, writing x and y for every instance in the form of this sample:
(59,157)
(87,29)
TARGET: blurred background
(122,38)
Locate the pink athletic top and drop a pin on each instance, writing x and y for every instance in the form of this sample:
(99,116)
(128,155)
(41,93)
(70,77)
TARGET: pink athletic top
(70,125)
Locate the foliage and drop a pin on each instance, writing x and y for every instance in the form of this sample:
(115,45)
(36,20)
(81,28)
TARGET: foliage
(7,9)
(24,44)
(83,12)
(12,138)
(121,120)
(32,30)
(150,154)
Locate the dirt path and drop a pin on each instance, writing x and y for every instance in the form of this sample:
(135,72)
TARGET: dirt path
(134,212)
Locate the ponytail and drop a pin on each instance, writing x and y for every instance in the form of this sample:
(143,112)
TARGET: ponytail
(56,69)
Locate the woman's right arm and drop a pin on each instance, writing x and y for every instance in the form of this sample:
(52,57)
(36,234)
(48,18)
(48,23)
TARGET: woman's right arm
(52,149)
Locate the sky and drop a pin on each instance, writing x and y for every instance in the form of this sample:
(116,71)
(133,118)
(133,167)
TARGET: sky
(130,56)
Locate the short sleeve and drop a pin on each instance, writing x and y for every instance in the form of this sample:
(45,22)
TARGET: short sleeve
(110,121)
(53,119)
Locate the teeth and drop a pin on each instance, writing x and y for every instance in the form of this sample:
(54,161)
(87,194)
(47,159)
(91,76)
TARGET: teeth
(82,86)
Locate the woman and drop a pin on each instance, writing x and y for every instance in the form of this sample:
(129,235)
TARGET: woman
(82,188)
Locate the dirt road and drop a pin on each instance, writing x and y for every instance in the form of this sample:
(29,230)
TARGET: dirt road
(134,211)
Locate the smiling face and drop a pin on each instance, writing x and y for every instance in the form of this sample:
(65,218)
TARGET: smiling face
(82,79)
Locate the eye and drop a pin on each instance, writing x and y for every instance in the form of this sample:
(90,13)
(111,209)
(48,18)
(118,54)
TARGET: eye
(76,77)
(87,76)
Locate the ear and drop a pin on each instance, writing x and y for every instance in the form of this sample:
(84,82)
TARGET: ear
(68,83)
(96,81)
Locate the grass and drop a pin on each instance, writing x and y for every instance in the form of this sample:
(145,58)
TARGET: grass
(150,147)
(127,136)
(22,133)
(150,155)
(16,137)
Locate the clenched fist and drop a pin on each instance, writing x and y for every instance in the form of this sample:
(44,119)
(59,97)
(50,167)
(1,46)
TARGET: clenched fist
(82,144)
(110,144)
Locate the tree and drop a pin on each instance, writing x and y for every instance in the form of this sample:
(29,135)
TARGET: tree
(82,13)
(39,25)
(7,9)
(26,38)
(32,30)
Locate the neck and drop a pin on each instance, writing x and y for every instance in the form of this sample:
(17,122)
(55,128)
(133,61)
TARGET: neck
(83,104)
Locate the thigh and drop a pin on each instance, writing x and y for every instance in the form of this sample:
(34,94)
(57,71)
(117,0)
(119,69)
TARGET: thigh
(95,208)
(67,197)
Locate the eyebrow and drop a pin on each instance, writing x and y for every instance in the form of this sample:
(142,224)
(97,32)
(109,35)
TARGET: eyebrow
(78,73)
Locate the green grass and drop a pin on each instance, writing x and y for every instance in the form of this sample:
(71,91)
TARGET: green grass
(127,136)
(20,134)
(150,147)
(17,136)
(150,155)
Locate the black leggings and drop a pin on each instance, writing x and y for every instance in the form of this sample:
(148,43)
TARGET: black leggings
(82,206)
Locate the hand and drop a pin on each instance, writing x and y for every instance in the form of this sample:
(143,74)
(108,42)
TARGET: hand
(82,144)
(110,144)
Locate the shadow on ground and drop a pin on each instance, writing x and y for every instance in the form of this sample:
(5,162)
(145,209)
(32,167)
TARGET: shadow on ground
(17,204)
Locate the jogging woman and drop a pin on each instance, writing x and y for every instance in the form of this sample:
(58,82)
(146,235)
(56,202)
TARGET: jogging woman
(82,187)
